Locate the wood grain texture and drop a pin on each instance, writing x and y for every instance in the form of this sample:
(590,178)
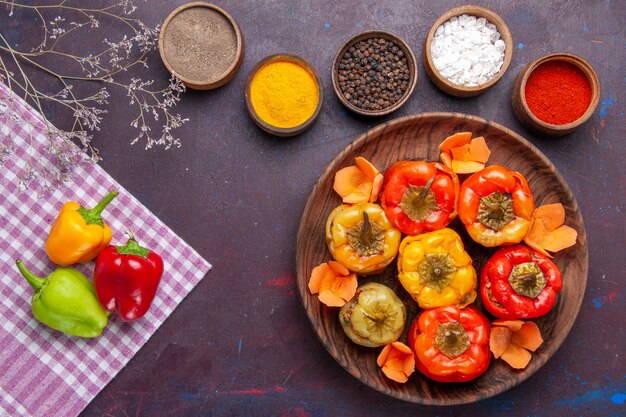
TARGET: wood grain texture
(414,138)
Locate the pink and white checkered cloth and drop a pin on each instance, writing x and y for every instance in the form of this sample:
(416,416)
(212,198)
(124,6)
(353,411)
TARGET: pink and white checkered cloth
(42,371)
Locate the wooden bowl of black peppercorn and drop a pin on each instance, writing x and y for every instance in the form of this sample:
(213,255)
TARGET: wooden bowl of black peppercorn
(374,73)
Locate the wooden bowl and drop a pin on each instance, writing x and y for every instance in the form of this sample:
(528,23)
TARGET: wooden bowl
(214,82)
(280,131)
(417,137)
(523,113)
(458,90)
(411,62)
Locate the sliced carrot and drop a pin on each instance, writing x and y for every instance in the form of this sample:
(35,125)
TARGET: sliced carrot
(384,354)
(331,299)
(456,140)
(397,361)
(516,356)
(347,287)
(358,183)
(339,268)
(446,158)
(376,187)
(334,283)
(513,325)
(347,180)
(561,238)
(499,340)
(478,150)
(366,167)
(528,337)
(466,167)
(461,153)
(547,232)
(317,276)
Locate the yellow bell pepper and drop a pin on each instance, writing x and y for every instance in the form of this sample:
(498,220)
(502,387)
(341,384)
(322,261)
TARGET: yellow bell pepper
(361,238)
(78,234)
(435,269)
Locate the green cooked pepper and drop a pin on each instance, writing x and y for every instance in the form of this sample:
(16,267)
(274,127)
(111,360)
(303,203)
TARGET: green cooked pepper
(66,301)
(374,317)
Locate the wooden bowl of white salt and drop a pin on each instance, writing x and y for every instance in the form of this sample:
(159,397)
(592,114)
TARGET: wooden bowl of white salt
(202,45)
(467,50)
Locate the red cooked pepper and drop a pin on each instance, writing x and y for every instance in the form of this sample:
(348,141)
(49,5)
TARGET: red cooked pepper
(126,279)
(518,282)
(496,206)
(451,344)
(420,196)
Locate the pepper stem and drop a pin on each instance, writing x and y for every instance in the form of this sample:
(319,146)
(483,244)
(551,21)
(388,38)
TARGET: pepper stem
(366,232)
(132,248)
(424,192)
(93,216)
(34,281)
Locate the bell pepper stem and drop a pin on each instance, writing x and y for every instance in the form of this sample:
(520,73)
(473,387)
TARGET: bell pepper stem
(132,248)
(97,210)
(34,281)
(424,192)
(92,216)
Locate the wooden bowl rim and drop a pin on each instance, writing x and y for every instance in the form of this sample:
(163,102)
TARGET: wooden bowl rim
(228,73)
(479,11)
(411,61)
(579,63)
(358,143)
(284,131)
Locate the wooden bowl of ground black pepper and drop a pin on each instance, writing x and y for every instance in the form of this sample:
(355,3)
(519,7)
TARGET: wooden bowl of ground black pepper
(374,73)
(567,99)
(202,45)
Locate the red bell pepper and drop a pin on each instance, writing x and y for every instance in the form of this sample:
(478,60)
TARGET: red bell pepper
(451,344)
(518,282)
(420,196)
(126,279)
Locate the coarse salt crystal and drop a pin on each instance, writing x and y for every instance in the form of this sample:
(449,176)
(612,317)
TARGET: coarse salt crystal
(467,50)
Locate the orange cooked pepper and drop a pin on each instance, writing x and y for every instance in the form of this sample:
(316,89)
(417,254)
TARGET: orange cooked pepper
(78,234)
(496,206)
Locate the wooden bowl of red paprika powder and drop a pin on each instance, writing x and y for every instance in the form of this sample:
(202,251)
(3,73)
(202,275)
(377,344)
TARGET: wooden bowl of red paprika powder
(556,93)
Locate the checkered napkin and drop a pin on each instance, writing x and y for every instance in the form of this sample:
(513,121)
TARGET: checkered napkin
(44,372)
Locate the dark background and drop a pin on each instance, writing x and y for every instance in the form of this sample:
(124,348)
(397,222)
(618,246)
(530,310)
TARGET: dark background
(240,344)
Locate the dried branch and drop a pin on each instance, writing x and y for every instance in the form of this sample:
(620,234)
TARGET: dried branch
(108,65)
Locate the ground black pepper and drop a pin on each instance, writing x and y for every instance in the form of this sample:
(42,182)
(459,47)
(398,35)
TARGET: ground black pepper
(373,74)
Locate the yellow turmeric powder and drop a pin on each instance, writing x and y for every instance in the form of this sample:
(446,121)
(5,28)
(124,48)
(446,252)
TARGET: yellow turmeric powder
(284,94)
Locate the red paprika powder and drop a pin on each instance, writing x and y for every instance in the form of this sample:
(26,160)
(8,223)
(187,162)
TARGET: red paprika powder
(557,92)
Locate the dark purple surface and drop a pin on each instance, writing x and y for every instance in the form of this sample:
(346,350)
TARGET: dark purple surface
(240,344)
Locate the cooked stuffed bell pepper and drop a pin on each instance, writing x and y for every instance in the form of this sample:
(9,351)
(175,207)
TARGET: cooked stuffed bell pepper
(518,282)
(451,344)
(435,269)
(374,317)
(361,238)
(496,206)
(420,196)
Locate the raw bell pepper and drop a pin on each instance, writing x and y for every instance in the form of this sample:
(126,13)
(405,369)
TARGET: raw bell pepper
(518,282)
(361,238)
(127,278)
(66,301)
(78,234)
(496,206)
(451,344)
(435,269)
(420,196)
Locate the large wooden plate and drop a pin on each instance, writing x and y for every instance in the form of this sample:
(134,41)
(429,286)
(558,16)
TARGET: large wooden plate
(414,138)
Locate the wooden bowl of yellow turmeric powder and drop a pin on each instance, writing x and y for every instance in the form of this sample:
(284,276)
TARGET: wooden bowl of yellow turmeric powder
(284,94)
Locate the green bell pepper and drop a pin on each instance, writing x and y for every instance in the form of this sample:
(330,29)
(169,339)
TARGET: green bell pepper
(66,301)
